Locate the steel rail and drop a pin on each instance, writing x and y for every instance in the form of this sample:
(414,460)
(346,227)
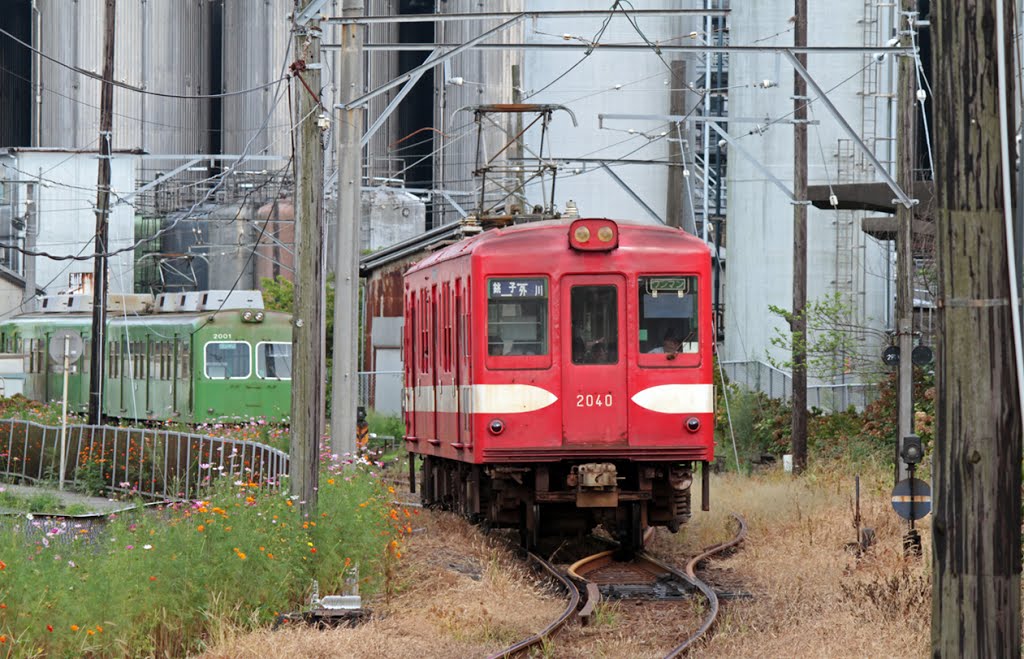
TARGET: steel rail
(566,615)
(689,574)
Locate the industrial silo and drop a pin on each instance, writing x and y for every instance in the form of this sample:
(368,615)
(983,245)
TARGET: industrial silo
(161,46)
(256,50)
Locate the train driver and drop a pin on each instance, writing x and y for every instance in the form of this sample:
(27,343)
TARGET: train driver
(670,344)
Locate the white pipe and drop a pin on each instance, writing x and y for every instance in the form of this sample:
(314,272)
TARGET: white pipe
(1004,144)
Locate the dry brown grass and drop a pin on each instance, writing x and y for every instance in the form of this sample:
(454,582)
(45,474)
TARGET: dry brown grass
(811,596)
(461,595)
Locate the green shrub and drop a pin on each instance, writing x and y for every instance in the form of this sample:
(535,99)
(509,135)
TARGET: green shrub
(158,582)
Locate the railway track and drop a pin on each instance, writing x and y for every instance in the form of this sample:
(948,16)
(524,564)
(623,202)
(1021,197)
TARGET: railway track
(563,618)
(604,576)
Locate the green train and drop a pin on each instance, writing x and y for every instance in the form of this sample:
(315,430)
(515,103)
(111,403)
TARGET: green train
(197,357)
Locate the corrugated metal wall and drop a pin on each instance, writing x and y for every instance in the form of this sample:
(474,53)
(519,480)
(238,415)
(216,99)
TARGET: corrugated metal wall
(486,78)
(256,49)
(381,67)
(161,46)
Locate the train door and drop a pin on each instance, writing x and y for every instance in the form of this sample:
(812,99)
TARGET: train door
(447,391)
(593,359)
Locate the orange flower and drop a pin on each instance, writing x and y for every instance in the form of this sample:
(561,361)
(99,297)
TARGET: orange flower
(3,566)
(330,481)
(313,550)
(200,528)
(3,638)
(152,578)
(90,632)
(74,628)
(49,628)
(99,629)
(3,605)
(241,555)
(288,503)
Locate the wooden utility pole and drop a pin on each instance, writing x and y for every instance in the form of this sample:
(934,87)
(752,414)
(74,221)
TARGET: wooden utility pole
(976,518)
(307,334)
(799,323)
(676,183)
(99,277)
(906,136)
(345,378)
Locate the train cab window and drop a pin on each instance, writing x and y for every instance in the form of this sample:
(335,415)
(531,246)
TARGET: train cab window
(595,325)
(274,361)
(667,316)
(517,316)
(227,360)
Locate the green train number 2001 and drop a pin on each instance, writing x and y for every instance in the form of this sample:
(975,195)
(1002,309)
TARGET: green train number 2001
(221,337)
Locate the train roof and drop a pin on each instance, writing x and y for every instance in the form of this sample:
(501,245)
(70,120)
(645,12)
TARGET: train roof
(534,239)
(156,320)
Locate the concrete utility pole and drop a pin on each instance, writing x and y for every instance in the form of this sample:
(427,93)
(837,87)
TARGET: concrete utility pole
(99,277)
(345,384)
(906,136)
(307,334)
(799,323)
(976,518)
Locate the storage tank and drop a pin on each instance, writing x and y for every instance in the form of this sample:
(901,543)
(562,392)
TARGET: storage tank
(160,46)
(389,216)
(220,239)
(256,49)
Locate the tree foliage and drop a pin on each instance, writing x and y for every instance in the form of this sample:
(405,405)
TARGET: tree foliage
(279,295)
(836,344)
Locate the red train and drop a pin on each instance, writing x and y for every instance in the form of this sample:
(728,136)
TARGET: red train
(559,376)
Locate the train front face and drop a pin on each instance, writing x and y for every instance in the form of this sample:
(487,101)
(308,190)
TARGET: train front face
(242,366)
(596,374)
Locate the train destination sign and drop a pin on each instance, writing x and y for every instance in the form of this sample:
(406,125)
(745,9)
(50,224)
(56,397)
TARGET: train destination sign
(526,287)
(912,498)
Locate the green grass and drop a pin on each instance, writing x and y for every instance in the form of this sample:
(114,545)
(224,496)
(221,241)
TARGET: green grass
(159,582)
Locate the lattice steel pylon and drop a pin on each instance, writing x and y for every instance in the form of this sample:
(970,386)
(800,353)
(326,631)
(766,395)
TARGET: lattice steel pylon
(503,181)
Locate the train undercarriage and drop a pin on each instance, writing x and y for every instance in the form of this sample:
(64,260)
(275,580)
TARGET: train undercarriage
(562,499)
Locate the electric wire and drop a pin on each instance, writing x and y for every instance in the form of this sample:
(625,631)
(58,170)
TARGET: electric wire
(596,41)
(222,179)
(140,90)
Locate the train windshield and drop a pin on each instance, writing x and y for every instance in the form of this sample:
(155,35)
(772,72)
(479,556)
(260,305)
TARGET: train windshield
(668,315)
(595,325)
(517,316)
(274,361)
(228,360)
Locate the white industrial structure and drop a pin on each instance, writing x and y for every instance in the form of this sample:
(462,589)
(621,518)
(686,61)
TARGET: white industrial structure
(622,101)
(841,258)
(51,196)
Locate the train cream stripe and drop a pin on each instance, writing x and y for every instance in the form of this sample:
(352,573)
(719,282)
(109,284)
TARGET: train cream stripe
(677,398)
(481,398)
(510,398)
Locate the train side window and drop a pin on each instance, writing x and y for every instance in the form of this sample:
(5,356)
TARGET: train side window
(517,316)
(274,361)
(667,308)
(595,324)
(227,360)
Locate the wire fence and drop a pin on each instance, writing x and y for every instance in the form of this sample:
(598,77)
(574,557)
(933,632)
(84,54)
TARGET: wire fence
(381,391)
(758,376)
(103,460)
